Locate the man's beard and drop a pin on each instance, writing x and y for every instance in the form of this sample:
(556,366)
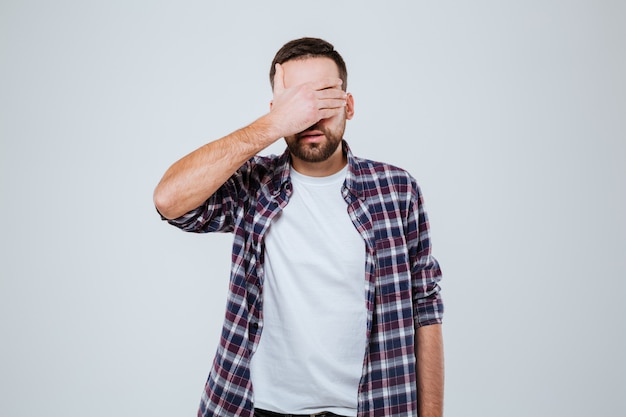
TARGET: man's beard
(316,152)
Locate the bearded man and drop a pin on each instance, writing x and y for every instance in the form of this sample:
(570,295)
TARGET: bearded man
(334,303)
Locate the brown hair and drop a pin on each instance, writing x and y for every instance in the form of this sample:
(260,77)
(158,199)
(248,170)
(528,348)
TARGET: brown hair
(309,48)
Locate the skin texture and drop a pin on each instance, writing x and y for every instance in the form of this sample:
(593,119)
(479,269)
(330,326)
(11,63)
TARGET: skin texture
(309,109)
(430,370)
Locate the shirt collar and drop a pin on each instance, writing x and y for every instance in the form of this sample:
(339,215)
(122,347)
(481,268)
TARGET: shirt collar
(354,182)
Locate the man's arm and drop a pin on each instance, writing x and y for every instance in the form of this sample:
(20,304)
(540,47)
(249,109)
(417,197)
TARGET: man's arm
(193,179)
(430,370)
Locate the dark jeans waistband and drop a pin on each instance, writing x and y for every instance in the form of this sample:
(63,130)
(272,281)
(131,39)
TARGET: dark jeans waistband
(264,413)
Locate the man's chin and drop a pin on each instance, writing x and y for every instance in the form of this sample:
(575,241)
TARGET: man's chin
(312,152)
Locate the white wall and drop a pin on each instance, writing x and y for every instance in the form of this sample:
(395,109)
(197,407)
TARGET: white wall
(511,115)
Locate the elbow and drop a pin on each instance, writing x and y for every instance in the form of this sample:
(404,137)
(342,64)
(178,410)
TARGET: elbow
(164,203)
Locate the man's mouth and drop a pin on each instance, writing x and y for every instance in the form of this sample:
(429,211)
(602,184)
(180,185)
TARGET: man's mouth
(311,136)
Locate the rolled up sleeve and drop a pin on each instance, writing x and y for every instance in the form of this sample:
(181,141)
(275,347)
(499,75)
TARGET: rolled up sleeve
(425,270)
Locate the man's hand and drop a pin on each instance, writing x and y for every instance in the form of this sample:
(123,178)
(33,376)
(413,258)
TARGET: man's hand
(299,107)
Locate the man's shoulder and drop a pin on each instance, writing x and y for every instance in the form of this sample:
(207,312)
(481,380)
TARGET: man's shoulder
(375,179)
(378,170)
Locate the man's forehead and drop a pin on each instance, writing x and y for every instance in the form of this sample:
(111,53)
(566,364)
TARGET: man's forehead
(309,69)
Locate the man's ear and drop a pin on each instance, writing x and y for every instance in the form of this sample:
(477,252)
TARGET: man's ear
(349,106)
(271,104)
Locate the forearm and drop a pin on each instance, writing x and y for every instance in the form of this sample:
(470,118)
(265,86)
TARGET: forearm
(194,178)
(430,370)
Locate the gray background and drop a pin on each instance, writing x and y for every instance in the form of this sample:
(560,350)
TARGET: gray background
(511,115)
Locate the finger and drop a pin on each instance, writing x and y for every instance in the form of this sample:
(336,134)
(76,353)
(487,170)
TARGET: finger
(331,104)
(328,113)
(331,93)
(327,83)
(279,82)
(331,98)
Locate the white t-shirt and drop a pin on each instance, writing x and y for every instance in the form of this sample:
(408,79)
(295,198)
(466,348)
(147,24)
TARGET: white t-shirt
(310,355)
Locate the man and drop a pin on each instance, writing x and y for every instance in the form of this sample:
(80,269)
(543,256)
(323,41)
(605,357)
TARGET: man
(333,305)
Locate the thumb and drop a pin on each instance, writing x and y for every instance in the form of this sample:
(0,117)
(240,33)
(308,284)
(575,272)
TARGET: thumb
(279,83)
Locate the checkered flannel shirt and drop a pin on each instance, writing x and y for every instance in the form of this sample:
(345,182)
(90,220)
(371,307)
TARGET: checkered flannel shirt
(401,278)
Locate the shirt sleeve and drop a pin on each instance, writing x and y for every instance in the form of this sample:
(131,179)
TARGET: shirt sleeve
(425,270)
(219,212)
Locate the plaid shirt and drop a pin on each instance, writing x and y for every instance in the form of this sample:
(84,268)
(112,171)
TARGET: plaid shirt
(401,278)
